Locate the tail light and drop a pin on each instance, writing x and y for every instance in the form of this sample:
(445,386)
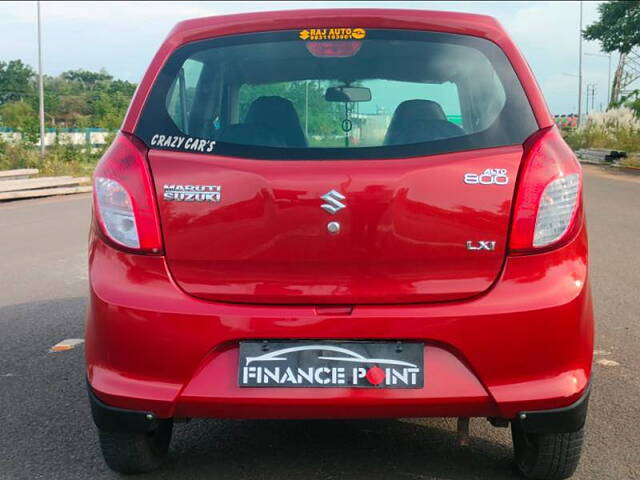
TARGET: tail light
(336,49)
(548,206)
(124,200)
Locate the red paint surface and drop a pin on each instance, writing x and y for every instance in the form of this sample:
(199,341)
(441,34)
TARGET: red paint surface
(527,343)
(402,240)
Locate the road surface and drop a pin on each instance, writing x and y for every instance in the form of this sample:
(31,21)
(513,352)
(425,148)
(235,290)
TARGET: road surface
(45,426)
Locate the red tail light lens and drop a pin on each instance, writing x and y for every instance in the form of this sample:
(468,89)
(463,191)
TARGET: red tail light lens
(336,49)
(548,205)
(124,201)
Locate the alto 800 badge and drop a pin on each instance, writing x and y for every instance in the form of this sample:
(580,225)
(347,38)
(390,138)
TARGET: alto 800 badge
(491,176)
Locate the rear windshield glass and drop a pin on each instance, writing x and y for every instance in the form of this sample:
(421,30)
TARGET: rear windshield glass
(348,93)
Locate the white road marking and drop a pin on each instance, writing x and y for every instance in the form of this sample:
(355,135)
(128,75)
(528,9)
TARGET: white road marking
(67,344)
(607,363)
(601,352)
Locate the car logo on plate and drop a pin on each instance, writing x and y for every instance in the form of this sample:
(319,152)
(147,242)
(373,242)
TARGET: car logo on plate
(339,355)
(333,204)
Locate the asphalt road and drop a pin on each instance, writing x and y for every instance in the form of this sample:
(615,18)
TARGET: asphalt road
(45,426)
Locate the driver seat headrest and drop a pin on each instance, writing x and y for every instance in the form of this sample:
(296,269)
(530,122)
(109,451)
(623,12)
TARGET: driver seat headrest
(280,116)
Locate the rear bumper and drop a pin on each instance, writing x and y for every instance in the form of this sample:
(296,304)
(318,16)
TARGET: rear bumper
(558,420)
(525,345)
(114,419)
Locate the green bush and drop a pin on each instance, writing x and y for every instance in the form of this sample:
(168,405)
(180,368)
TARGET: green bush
(616,129)
(60,159)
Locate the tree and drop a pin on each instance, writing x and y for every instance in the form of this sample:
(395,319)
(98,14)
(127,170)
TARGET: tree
(618,28)
(21,117)
(71,108)
(88,80)
(17,81)
(76,98)
(109,109)
(634,103)
(109,103)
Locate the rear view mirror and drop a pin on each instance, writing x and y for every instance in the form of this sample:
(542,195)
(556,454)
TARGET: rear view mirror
(347,94)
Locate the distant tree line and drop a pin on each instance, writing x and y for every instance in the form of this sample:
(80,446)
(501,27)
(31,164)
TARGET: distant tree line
(76,98)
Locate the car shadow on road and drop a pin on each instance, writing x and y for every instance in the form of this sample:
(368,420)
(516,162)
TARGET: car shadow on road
(335,449)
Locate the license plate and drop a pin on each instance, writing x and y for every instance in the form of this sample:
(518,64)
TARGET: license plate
(331,364)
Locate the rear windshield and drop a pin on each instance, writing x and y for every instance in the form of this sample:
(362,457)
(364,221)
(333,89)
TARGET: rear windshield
(336,93)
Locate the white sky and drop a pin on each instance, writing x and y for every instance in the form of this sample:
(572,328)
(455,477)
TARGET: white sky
(123,36)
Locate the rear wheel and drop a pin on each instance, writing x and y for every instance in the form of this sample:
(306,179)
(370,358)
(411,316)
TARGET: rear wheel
(546,456)
(128,452)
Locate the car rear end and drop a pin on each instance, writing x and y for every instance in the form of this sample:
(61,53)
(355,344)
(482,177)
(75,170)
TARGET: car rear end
(319,215)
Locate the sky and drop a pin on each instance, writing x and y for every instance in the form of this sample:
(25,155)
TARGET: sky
(122,37)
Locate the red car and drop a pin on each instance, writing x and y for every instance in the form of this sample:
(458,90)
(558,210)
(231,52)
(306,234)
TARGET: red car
(339,214)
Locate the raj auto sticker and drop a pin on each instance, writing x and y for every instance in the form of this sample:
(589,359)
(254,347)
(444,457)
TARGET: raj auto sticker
(315,34)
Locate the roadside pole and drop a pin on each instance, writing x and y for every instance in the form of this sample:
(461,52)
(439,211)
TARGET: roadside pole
(609,84)
(608,55)
(306,108)
(40,85)
(580,70)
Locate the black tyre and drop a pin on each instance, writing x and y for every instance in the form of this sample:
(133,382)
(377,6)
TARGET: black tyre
(127,452)
(546,456)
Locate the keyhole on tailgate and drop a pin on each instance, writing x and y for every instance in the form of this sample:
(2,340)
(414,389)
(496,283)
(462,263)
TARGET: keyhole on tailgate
(333,227)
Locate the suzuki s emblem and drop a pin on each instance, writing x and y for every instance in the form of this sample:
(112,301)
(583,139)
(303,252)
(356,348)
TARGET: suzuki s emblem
(333,204)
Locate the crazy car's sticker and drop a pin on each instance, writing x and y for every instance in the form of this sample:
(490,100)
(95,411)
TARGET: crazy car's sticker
(188,144)
(315,34)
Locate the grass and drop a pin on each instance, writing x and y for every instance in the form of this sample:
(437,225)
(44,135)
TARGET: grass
(59,159)
(615,129)
(632,161)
